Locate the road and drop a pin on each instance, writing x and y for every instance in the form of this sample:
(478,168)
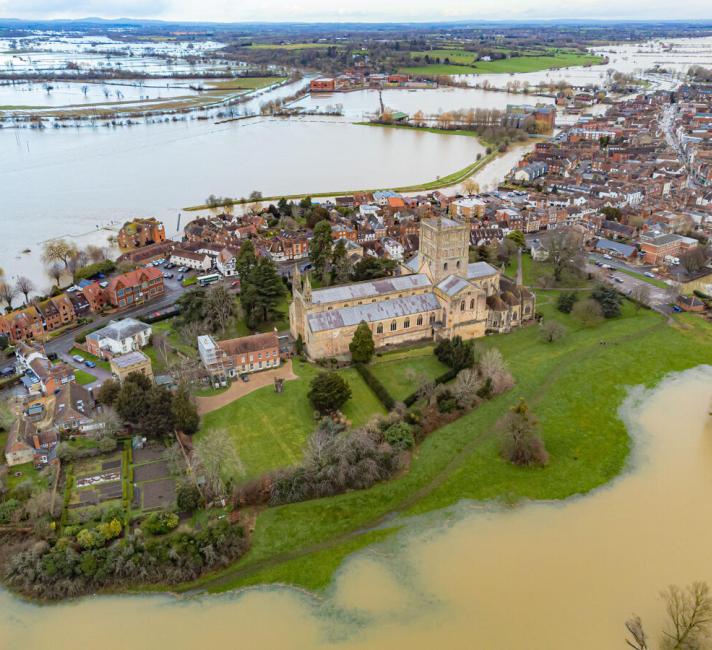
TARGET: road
(64,342)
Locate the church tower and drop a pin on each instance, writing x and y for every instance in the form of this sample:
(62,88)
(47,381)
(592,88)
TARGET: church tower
(444,248)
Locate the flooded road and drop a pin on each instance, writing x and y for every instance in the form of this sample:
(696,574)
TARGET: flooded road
(543,576)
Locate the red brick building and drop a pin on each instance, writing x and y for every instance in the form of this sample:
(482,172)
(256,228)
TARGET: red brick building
(141,232)
(134,287)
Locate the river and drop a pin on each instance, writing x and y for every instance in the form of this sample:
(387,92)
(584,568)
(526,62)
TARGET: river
(539,576)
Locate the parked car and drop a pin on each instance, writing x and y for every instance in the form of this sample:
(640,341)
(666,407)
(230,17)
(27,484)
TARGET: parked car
(89,363)
(180,277)
(648,274)
(607,257)
(78,358)
(676,308)
(168,275)
(245,377)
(7,372)
(619,280)
(52,356)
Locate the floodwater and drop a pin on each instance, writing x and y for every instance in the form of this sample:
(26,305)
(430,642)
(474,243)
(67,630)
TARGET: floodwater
(362,103)
(69,182)
(540,576)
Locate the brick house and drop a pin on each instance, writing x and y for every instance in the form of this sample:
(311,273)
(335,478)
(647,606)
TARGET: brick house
(134,287)
(238,356)
(141,232)
(22,325)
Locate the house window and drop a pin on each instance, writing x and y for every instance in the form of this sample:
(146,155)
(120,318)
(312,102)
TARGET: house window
(445,266)
(406,323)
(432,319)
(472,303)
(419,320)
(393,326)
(462,306)
(379,328)
(458,264)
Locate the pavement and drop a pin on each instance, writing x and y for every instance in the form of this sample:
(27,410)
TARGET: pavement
(240,388)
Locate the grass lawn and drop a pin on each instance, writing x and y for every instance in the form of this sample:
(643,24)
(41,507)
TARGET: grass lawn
(401,371)
(534,273)
(574,386)
(27,473)
(281,322)
(289,46)
(101,363)
(83,378)
(270,429)
(462,62)
(244,83)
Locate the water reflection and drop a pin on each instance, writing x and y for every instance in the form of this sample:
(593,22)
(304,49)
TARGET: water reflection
(535,577)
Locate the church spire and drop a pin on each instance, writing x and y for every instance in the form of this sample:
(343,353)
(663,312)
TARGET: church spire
(307,290)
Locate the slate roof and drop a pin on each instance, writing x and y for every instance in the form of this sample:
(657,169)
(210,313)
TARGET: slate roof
(370,289)
(118,330)
(480,270)
(453,284)
(616,247)
(375,311)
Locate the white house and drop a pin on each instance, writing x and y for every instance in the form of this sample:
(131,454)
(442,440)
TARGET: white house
(225,263)
(393,248)
(197,261)
(119,337)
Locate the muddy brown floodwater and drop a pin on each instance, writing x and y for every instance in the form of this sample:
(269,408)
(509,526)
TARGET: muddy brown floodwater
(539,576)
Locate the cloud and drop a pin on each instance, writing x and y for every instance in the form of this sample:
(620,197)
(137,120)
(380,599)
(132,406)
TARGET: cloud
(354,10)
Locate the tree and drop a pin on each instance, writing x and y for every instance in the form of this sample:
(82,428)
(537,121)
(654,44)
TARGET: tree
(55,272)
(372,268)
(58,250)
(564,252)
(362,346)
(192,307)
(494,368)
(694,259)
(551,331)
(328,392)
(320,248)
(220,307)
(185,412)
(611,213)
(522,444)
(456,353)
(246,260)
(217,461)
(340,267)
(188,497)
(158,420)
(641,295)
(566,301)
(517,236)
(316,215)
(587,312)
(269,290)
(132,403)
(609,299)
(108,392)
(466,386)
(470,186)
(689,613)
(7,294)
(25,286)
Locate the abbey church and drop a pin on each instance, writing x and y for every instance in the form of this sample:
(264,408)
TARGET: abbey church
(436,295)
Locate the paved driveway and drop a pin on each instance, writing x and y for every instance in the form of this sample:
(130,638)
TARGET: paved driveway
(241,388)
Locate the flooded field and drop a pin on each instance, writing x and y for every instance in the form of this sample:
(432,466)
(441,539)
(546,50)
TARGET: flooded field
(539,576)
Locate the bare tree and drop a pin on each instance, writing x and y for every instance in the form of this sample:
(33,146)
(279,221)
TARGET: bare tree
(466,386)
(96,253)
(470,186)
(217,461)
(690,614)
(7,294)
(55,272)
(564,248)
(220,307)
(641,294)
(588,312)
(551,331)
(494,367)
(522,444)
(25,286)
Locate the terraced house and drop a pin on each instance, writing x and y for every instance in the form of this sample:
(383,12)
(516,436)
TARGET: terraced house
(438,294)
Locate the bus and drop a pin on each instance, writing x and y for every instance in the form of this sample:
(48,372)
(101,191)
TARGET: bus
(205,280)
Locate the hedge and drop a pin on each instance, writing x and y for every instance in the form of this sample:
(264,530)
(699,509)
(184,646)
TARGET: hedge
(107,266)
(376,386)
(447,376)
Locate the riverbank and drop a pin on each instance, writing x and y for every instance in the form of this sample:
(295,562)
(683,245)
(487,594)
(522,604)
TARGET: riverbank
(303,544)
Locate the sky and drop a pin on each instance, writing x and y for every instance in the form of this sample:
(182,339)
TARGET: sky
(356,10)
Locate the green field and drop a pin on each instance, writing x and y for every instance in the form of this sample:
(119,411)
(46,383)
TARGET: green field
(270,430)
(400,372)
(574,386)
(462,62)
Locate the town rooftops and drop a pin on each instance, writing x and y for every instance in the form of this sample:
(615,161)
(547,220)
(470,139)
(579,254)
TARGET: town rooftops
(370,288)
(245,344)
(375,311)
(118,330)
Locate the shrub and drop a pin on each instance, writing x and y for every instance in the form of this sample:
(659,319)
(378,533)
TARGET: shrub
(7,509)
(522,444)
(376,386)
(399,435)
(446,402)
(160,523)
(328,392)
(456,353)
(106,266)
(362,346)
(609,300)
(588,312)
(188,497)
(565,302)
(551,331)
